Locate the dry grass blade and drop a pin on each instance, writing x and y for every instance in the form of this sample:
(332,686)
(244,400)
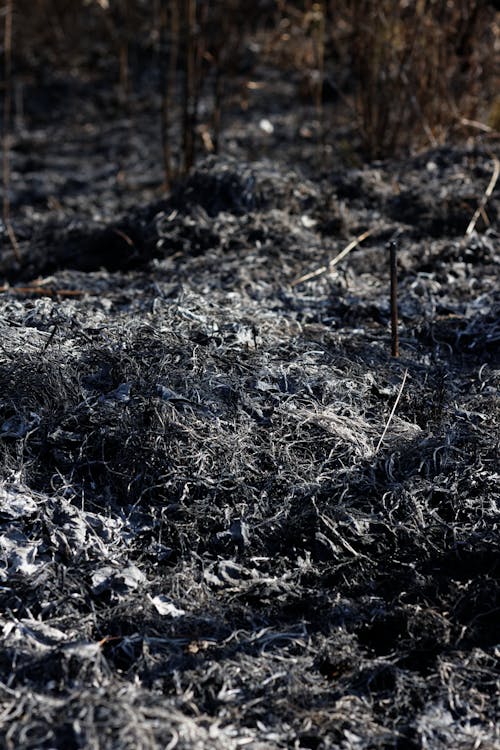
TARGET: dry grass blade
(324,269)
(477,125)
(487,195)
(393,411)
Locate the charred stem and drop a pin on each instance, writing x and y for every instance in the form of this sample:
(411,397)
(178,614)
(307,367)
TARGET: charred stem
(393,246)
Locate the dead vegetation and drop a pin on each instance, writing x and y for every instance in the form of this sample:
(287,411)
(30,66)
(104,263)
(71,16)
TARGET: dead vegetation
(397,75)
(228,517)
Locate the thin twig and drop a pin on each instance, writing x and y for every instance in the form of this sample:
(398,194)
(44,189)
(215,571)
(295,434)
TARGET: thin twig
(487,194)
(42,291)
(393,411)
(324,269)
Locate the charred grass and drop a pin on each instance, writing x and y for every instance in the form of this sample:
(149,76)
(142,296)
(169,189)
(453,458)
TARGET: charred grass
(203,543)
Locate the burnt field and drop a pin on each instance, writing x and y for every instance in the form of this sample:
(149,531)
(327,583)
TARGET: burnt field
(229,518)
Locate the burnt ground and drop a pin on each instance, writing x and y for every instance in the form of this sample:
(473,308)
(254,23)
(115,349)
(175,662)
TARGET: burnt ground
(204,541)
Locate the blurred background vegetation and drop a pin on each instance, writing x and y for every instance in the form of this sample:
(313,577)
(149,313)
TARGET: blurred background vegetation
(399,75)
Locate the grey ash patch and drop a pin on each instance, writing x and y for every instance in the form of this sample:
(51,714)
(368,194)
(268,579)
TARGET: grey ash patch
(200,544)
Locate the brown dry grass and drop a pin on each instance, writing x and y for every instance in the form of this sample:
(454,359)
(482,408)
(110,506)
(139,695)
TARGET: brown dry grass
(404,75)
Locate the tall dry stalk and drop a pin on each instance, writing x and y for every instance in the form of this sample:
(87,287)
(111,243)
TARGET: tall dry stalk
(224,31)
(6,134)
(182,45)
(188,103)
(169,31)
(217,107)
(417,68)
(318,20)
(123,50)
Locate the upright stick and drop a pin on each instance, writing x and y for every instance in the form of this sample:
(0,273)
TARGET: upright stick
(393,246)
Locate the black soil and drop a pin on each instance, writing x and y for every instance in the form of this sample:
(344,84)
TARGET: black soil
(205,543)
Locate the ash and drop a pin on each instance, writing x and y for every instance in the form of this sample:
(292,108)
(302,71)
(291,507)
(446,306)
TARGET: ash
(203,544)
